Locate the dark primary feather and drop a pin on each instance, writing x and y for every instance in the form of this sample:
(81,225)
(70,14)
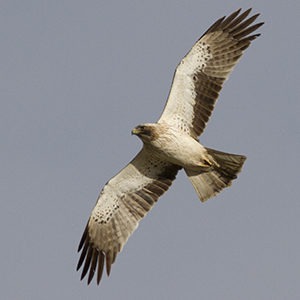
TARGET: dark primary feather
(225,40)
(219,49)
(133,205)
(226,53)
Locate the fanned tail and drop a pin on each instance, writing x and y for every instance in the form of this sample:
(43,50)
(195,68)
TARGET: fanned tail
(210,182)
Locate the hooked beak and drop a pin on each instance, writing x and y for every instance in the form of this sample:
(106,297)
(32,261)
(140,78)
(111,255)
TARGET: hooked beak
(135,131)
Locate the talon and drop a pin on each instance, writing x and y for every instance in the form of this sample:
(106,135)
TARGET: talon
(207,162)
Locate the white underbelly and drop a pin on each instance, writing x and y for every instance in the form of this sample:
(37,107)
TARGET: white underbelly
(180,149)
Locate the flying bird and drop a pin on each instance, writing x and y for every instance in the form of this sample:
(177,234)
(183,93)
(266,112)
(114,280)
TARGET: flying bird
(170,145)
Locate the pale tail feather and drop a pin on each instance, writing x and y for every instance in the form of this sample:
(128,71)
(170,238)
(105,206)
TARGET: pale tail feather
(225,169)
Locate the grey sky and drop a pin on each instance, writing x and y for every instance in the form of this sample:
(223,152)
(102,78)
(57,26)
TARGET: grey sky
(76,77)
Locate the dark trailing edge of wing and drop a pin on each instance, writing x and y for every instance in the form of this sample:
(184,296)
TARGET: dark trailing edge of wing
(144,199)
(208,85)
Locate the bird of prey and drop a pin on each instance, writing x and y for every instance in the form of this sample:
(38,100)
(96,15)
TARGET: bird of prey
(171,144)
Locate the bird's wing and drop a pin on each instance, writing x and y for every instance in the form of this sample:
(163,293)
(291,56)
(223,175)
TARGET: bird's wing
(201,73)
(123,202)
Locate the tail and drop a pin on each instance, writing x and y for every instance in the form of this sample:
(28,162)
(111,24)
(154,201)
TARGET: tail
(224,169)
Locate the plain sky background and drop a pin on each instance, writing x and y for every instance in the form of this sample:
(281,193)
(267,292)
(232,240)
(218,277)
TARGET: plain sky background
(76,77)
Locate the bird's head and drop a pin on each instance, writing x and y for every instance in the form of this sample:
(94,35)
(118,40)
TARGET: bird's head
(146,132)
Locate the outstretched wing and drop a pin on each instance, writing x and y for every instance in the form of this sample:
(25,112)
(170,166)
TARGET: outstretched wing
(123,202)
(201,73)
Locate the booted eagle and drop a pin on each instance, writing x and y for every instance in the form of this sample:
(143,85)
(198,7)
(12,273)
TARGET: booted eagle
(170,145)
